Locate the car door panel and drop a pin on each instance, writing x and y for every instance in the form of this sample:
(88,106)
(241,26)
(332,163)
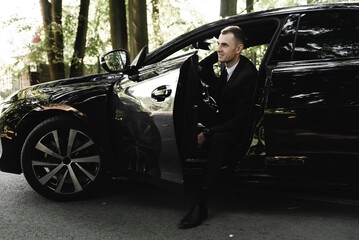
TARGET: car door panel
(313,109)
(142,119)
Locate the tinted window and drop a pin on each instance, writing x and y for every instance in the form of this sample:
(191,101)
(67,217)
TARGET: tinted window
(284,47)
(329,34)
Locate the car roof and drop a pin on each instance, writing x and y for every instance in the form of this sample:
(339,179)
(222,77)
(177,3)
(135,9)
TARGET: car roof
(158,53)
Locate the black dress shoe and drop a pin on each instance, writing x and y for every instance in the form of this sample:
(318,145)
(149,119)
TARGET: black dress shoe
(196,215)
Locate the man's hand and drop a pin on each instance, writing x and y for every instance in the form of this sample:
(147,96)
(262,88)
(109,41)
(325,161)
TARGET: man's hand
(200,139)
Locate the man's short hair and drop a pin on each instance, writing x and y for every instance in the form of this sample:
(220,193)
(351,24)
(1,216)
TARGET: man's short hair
(237,33)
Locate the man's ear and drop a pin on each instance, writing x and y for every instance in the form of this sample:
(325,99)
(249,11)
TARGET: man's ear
(239,48)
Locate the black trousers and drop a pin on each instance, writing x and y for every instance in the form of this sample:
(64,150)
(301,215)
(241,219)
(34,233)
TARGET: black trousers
(221,149)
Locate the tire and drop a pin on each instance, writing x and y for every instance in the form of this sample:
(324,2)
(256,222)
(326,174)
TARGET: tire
(61,159)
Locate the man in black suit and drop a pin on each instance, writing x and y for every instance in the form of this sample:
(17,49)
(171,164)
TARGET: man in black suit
(233,92)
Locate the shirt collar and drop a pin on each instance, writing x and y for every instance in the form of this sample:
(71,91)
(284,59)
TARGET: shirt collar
(231,70)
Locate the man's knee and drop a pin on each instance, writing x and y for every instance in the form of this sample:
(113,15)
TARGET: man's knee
(227,146)
(223,140)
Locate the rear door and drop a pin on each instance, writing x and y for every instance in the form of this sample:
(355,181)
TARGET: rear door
(313,102)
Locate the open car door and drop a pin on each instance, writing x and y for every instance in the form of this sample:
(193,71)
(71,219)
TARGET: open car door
(185,113)
(152,120)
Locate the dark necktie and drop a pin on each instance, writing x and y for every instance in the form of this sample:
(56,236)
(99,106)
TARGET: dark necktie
(223,79)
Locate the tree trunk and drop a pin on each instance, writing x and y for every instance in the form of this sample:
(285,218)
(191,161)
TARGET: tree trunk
(80,43)
(51,15)
(228,8)
(137,26)
(249,5)
(49,38)
(156,23)
(118,24)
(58,47)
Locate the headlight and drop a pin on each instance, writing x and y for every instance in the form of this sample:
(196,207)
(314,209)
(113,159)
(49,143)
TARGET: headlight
(6,102)
(1,107)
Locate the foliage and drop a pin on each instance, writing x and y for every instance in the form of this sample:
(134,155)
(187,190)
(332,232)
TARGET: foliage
(255,54)
(98,36)
(98,33)
(175,18)
(69,30)
(22,25)
(228,8)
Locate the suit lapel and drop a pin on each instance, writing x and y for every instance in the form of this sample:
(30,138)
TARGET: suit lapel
(234,79)
(236,71)
(222,81)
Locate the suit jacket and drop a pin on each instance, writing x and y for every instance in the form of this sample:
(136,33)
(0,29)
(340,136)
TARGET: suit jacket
(235,97)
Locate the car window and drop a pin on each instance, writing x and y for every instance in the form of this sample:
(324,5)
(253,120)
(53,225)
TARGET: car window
(259,35)
(202,53)
(256,54)
(285,44)
(330,34)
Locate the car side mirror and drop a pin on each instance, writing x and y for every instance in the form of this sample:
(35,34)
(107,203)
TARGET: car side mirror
(137,63)
(115,61)
(202,45)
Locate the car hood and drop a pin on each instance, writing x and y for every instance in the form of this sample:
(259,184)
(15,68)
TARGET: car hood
(67,90)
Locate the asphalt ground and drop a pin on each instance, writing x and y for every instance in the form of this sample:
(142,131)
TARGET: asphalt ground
(134,210)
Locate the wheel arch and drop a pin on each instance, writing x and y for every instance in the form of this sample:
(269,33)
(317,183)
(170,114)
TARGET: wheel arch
(74,142)
(40,114)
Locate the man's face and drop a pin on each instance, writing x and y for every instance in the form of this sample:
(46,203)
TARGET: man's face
(228,49)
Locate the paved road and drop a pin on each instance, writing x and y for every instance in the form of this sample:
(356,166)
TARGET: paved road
(127,210)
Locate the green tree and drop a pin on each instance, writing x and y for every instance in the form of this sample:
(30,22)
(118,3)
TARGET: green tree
(166,19)
(137,21)
(77,61)
(66,43)
(156,23)
(117,13)
(52,20)
(249,6)
(99,33)
(169,19)
(228,8)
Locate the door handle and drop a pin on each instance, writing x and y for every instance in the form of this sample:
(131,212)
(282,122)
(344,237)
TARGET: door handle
(161,93)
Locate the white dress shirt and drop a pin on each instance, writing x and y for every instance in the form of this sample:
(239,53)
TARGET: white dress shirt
(231,70)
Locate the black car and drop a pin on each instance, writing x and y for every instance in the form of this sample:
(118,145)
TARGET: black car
(142,119)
